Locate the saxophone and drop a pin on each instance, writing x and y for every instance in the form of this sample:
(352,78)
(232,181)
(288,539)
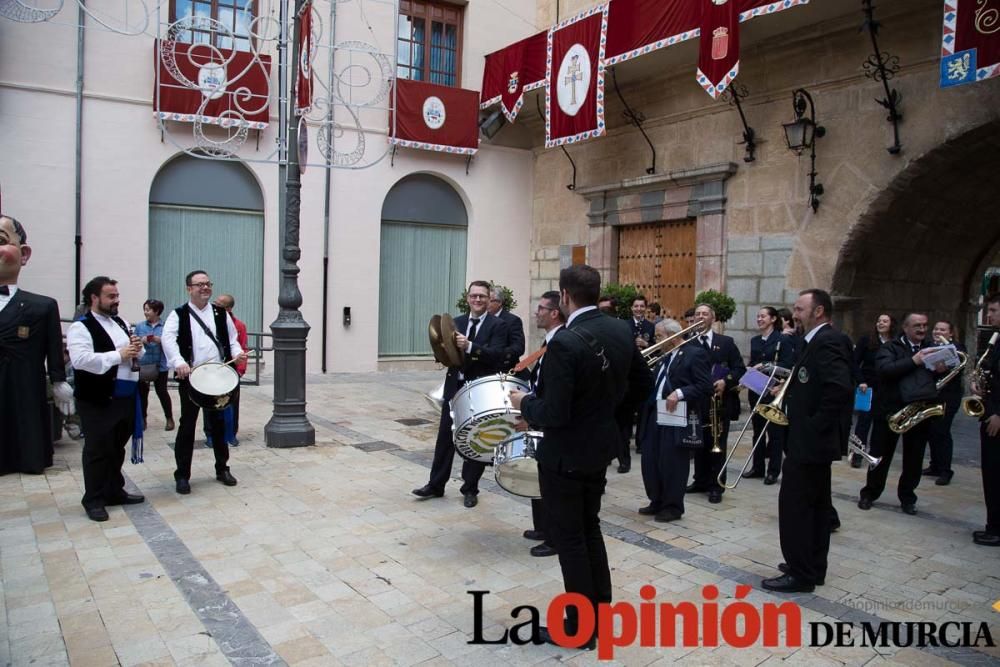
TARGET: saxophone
(975,406)
(914,413)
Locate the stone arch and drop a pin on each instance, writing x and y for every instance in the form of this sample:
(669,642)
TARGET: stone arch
(923,241)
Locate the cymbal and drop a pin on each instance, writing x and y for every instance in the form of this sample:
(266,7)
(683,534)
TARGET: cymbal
(434,333)
(456,357)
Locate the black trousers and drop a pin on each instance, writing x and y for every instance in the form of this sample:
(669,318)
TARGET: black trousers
(573,504)
(771,449)
(160,385)
(883,444)
(863,425)
(804,514)
(234,403)
(708,465)
(106,429)
(444,457)
(989,453)
(665,466)
(942,445)
(184,445)
(625,424)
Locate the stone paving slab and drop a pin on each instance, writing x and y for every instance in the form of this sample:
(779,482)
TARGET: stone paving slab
(320,556)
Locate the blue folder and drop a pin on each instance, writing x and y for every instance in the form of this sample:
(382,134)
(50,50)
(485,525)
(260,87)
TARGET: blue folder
(863,400)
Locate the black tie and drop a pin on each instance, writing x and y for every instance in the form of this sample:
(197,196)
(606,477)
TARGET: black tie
(4,290)
(472,331)
(704,342)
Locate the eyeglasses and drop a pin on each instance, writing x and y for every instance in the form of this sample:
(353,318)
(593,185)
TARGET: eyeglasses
(477,296)
(541,307)
(200,285)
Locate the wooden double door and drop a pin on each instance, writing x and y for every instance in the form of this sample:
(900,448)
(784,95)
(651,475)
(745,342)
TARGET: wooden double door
(660,260)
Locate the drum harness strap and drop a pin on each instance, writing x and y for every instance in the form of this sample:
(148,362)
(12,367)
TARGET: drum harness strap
(227,413)
(208,332)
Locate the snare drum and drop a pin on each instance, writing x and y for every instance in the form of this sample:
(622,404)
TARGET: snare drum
(514,464)
(482,416)
(212,385)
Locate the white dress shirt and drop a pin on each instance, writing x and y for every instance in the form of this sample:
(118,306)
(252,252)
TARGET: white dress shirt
(5,299)
(202,347)
(577,313)
(809,336)
(81,349)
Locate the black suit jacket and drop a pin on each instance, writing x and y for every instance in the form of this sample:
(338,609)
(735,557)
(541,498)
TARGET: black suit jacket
(487,356)
(725,353)
(514,348)
(899,377)
(645,329)
(577,412)
(691,373)
(768,352)
(820,399)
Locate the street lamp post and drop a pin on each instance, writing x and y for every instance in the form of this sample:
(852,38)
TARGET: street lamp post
(289,426)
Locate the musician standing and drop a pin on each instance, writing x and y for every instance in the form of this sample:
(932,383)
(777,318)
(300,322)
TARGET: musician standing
(683,375)
(774,348)
(989,436)
(550,319)
(196,333)
(515,328)
(864,360)
(484,341)
(589,369)
(820,392)
(727,369)
(940,440)
(903,379)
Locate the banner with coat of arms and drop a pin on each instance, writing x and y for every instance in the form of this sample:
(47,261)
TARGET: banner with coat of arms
(437,118)
(719,49)
(970,44)
(513,71)
(574,75)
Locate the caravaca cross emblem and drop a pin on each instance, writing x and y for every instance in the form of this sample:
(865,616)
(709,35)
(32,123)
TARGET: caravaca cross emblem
(573,74)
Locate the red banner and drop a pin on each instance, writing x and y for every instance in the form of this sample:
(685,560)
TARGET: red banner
(192,84)
(574,92)
(304,80)
(638,27)
(970,44)
(719,48)
(512,71)
(435,118)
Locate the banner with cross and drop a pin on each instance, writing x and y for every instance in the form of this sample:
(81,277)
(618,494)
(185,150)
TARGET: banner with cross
(574,75)
(970,42)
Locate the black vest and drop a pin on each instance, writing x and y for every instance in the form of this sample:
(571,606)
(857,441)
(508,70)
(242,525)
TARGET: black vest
(91,387)
(185,343)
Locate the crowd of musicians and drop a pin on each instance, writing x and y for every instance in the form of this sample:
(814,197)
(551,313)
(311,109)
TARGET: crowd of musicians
(593,387)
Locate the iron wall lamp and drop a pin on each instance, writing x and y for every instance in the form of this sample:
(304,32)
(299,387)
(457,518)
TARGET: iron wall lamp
(801,134)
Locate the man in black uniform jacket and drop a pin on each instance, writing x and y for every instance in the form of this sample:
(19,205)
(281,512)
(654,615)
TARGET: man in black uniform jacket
(903,379)
(515,328)
(484,341)
(820,394)
(589,369)
(727,361)
(989,437)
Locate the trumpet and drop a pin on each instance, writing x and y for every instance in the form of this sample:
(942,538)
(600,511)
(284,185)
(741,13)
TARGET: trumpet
(855,446)
(912,414)
(975,406)
(650,352)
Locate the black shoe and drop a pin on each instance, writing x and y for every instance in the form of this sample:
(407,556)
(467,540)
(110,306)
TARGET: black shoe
(864,503)
(787,583)
(695,488)
(624,467)
(945,478)
(226,478)
(834,525)
(649,510)
(534,535)
(770,479)
(471,500)
(856,461)
(910,508)
(543,634)
(783,567)
(129,499)
(542,550)
(930,472)
(97,513)
(715,496)
(183,487)
(667,516)
(427,492)
(985,539)
(753,474)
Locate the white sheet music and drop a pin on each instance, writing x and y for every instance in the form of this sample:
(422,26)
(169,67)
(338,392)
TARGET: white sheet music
(679,417)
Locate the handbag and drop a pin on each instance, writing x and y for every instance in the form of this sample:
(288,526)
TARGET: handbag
(149,372)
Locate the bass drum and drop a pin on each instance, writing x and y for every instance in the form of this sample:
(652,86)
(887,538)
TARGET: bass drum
(212,385)
(482,416)
(514,465)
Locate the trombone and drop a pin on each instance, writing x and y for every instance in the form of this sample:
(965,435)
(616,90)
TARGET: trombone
(757,410)
(650,352)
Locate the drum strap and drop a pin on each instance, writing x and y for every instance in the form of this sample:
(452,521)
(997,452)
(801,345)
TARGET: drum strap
(208,332)
(593,344)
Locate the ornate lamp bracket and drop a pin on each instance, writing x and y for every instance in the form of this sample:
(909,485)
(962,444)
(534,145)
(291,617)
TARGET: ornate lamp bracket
(734,94)
(881,66)
(637,118)
(571,186)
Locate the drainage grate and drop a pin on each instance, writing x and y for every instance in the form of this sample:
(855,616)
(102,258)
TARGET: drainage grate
(413,421)
(376,446)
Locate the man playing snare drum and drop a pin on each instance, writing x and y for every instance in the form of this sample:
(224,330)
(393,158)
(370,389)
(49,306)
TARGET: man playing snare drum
(197,333)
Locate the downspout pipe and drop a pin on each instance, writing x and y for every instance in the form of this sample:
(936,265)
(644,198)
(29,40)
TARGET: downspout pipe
(328,186)
(78,163)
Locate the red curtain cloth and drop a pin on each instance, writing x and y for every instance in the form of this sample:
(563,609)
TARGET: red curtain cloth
(435,118)
(719,48)
(304,80)
(971,24)
(512,71)
(574,92)
(187,80)
(637,27)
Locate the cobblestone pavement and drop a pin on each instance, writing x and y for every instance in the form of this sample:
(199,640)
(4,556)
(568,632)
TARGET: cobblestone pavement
(320,556)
